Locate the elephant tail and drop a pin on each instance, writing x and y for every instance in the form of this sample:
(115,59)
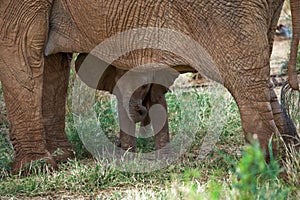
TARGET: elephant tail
(290,103)
(295,9)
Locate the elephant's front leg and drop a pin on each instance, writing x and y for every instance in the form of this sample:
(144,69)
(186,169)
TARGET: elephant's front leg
(22,39)
(56,76)
(24,109)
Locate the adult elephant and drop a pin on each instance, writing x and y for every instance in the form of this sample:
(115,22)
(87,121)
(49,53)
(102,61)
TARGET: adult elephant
(237,36)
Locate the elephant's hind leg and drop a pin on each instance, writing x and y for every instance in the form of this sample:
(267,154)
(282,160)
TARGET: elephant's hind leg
(56,77)
(25,119)
(250,87)
(257,117)
(284,124)
(161,131)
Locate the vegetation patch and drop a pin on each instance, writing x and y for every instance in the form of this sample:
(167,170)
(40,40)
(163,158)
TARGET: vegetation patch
(230,169)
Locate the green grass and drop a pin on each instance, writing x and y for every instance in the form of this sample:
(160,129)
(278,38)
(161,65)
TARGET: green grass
(6,151)
(221,175)
(225,172)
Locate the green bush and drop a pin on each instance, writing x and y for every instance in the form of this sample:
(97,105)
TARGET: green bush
(256,179)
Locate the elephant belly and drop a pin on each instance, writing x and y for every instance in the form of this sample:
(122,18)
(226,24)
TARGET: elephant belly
(80,26)
(197,35)
(119,34)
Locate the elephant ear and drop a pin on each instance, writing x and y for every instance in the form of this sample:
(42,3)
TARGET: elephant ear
(163,79)
(95,73)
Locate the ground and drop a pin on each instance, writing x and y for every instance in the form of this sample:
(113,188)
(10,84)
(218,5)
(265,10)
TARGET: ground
(227,171)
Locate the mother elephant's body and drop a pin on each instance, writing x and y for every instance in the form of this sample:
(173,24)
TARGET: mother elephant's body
(228,31)
(238,36)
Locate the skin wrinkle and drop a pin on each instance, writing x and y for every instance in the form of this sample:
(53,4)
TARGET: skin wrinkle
(237,34)
(21,77)
(78,26)
(126,18)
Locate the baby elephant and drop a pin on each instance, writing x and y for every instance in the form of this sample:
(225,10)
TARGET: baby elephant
(141,97)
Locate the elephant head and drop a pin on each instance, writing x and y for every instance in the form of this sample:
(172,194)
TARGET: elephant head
(131,87)
(106,78)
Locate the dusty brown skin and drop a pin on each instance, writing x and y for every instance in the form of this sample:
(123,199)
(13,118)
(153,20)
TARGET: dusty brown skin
(238,35)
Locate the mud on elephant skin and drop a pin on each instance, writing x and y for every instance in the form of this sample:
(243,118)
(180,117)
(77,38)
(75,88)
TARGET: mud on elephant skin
(238,37)
(136,93)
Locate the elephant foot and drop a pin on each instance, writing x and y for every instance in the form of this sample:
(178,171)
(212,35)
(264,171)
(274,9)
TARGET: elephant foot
(62,152)
(128,148)
(125,146)
(128,142)
(162,146)
(25,164)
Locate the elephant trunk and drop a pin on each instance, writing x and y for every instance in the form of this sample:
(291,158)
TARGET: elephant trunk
(292,74)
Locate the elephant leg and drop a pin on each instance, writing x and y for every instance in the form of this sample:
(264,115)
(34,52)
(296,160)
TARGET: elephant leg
(56,77)
(161,131)
(145,128)
(25,119)
(22,39)
(257,115)
(284,124)
(263,118)
(127,129)
(162,138)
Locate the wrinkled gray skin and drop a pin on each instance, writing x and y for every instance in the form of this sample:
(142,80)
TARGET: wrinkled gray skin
(141,97)
(236,34)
